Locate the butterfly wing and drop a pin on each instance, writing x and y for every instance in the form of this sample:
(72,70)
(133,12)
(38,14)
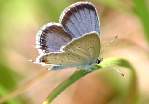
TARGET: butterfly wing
(80,18)
(87,46)
(80,52)
(51,37)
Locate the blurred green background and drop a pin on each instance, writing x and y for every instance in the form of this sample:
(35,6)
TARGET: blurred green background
(23,82)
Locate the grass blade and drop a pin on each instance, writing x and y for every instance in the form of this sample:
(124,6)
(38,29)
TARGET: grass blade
(132,96)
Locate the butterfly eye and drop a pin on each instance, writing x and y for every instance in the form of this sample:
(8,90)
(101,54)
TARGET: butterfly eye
(98,60)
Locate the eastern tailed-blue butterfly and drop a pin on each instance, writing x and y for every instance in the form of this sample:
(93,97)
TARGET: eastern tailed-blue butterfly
(74,41)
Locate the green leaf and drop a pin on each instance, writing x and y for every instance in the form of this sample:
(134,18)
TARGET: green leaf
(8,77)
(8,81)
(3,92)
(142,11)
(132,95)
(133,88)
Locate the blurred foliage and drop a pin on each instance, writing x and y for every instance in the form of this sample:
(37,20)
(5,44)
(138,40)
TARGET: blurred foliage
(47,8)
(118,5)
(8,82)
(142,11)
(17,15)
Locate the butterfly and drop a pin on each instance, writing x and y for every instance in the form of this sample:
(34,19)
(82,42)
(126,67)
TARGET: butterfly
(74,41)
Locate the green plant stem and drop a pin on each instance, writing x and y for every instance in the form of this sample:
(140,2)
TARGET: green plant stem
(60,88)
(132,95)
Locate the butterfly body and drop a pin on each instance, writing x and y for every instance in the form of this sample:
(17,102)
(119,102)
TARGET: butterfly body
(74,42)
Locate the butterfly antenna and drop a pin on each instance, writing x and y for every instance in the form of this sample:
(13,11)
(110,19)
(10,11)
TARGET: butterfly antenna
(112,41)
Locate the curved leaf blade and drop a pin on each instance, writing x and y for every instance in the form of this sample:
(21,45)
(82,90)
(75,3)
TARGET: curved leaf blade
(132,96)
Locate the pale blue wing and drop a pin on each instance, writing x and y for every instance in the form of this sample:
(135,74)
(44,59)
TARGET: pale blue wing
(51,38)
(83,51)
(80,18)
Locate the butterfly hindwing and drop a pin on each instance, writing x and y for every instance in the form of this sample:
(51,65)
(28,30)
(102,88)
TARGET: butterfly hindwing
(51,38)
(87,45)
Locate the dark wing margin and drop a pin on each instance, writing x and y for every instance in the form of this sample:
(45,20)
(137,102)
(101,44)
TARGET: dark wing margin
(80,18)
(51,38)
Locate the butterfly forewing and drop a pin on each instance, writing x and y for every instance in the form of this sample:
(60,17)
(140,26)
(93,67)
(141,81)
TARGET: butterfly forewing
(81,51)
(80,18)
